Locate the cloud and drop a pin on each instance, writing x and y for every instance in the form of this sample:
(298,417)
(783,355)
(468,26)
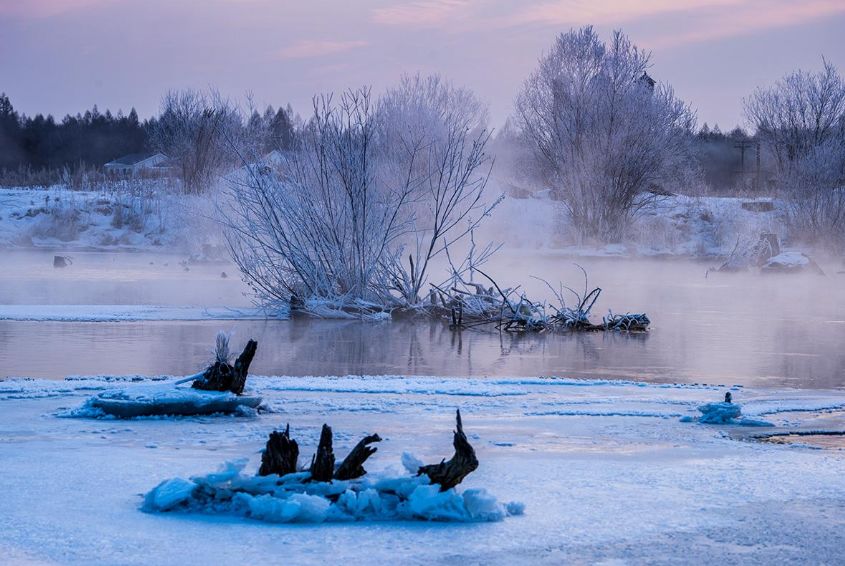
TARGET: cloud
(681,21)
(691,21)
(580,12)
(752,17)
(420,13)
(308,48)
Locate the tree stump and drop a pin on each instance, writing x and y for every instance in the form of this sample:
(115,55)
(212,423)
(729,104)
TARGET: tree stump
(451,473)
(221,376)
(61,261)
(322,463)
(280,455)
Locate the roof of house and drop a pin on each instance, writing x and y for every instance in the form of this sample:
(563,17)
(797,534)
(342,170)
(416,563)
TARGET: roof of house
(134,158)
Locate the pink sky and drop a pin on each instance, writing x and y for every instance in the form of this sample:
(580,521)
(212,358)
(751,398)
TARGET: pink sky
(61,56)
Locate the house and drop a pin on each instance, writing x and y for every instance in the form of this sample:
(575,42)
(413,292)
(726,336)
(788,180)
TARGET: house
(135,163)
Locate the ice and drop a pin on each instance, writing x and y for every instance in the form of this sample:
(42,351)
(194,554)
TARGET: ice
(725,413)
(163,399)
(595,487)
(719,413)
(170,494)
(295,499)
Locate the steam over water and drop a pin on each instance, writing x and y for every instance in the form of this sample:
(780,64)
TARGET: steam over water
(776,330)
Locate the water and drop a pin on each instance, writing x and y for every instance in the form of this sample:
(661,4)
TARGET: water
(727,329)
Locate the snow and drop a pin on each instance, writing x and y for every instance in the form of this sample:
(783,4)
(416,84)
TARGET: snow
(57,217)
(677,225)
(597,485)
(119,313)
(790,261)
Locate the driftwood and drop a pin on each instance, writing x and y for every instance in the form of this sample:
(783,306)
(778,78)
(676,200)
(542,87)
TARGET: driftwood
(353,465)
(221,376)
(280,455)
(451,473)
(474,305)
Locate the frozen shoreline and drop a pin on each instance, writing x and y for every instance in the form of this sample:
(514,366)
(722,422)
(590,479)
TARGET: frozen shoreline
(122,313)
(606,470)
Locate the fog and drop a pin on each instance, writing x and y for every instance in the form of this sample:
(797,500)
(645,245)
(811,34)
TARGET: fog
(738,328)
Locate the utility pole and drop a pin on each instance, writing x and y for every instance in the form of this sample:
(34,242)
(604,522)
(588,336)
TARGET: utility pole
(742,145)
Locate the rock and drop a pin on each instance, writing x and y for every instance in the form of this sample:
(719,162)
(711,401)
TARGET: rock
(790,262)
(61,261)
(758,205)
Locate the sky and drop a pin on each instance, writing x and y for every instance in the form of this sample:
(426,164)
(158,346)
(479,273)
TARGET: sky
(64,56)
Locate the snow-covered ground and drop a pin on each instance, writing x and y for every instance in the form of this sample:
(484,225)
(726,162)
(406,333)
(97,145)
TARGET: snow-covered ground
(607,471)
(153,219)
(677,225)
(142,215)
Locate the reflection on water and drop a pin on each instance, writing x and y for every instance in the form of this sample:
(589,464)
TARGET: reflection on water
(729,329)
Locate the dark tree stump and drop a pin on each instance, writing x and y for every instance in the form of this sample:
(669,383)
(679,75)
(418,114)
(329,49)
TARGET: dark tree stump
(61,261)
(221,376)
(280,455)
(353,465)
(451,473)
(322,463)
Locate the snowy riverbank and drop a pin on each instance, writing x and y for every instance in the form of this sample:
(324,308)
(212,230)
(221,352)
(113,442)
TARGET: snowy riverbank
(606,471)
(149,218)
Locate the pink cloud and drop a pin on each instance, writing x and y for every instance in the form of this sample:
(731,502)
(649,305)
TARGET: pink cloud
(580,12)
(308,48)
(749,18)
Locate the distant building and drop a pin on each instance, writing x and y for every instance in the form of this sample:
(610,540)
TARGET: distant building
(646,80)
(136,163)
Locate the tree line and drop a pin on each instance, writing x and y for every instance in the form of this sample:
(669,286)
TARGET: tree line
(43,148)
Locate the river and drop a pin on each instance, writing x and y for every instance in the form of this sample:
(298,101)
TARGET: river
(745,329)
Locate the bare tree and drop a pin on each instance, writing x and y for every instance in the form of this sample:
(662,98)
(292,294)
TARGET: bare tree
(801,121)
(603,133)
(367,184)
(320,227)
(443,130)
(192,130)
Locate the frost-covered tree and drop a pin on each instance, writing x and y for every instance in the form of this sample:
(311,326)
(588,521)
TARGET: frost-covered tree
(603,133)
(368,182)
(801,121)
(194,129)
(443,131)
